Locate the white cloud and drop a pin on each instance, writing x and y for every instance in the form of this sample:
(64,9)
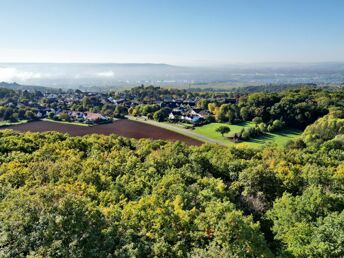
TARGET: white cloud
(106,74)
(6,74)
(12,74)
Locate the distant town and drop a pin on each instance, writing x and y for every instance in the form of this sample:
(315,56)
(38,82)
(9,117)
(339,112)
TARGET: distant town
(96,108)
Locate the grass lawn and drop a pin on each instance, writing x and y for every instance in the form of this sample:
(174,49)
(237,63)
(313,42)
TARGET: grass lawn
(6,123)
(280,138)
(209,130)
(65,122)
(179,124)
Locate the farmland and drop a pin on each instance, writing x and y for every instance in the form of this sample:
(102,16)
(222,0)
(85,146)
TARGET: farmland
(154,130)
(125,128)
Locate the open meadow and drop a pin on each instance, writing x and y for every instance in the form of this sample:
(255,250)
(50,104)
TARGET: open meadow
(280,138)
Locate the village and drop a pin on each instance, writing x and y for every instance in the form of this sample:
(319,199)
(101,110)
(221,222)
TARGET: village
(97,108)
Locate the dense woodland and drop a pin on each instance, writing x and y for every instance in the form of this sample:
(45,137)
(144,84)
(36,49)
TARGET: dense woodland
(107,196)
(296,108)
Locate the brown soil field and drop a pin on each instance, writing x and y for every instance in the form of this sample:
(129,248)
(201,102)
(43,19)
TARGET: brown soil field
(125,128)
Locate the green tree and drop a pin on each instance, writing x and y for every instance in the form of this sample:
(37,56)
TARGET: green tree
(120,111)
(29,115)
(202,103)
(51,222)
(212,107)
(86,103)
(257,120)
(245,113)
(223,129)
(262,127)
(8,113)
(51,115)
(64,116)
(161,115)
(297,222)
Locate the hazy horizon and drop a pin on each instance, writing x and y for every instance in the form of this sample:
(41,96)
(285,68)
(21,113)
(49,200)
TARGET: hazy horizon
(124,74)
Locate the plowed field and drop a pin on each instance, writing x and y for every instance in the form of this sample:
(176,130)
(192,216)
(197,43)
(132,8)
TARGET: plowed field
(126,128)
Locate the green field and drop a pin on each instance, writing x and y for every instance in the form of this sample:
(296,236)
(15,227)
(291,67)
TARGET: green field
(7,123)
(65,122)
(280,138)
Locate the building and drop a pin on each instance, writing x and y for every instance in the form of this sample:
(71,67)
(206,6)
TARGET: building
(175,115)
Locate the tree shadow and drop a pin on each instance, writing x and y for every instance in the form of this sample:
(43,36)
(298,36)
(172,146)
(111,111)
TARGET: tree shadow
(288,132)
(261,138)
(245,123)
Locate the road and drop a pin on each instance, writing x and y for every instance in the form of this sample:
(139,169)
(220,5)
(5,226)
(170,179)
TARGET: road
(177,129)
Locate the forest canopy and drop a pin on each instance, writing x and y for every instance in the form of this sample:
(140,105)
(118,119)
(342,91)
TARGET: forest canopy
(108,196)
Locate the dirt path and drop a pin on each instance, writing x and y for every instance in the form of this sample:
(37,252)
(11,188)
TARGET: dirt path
(177,129)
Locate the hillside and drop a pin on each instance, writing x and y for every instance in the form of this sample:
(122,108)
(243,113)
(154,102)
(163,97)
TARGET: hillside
(16,86)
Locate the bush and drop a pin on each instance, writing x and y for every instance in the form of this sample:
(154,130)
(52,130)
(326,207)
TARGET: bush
(257,120)
(276,125)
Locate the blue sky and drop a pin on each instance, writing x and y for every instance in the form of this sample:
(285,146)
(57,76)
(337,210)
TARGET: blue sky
(172,31)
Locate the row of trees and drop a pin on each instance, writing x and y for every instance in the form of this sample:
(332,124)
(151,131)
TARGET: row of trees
(144,110)
(152,111)
(15,114)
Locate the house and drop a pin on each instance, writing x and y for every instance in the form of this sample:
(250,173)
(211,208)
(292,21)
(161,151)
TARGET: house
(204,113)
(195,111)
(175,115)
(77,115)
(112,100)
(118,101)
(197,119)
(170,104)
(128,104)
(193,119)
(189,102)
(52,96)
(39,114)
(44,112)
(200,112)
(90,116)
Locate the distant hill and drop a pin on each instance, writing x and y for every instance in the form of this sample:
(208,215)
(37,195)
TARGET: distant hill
(16,86)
